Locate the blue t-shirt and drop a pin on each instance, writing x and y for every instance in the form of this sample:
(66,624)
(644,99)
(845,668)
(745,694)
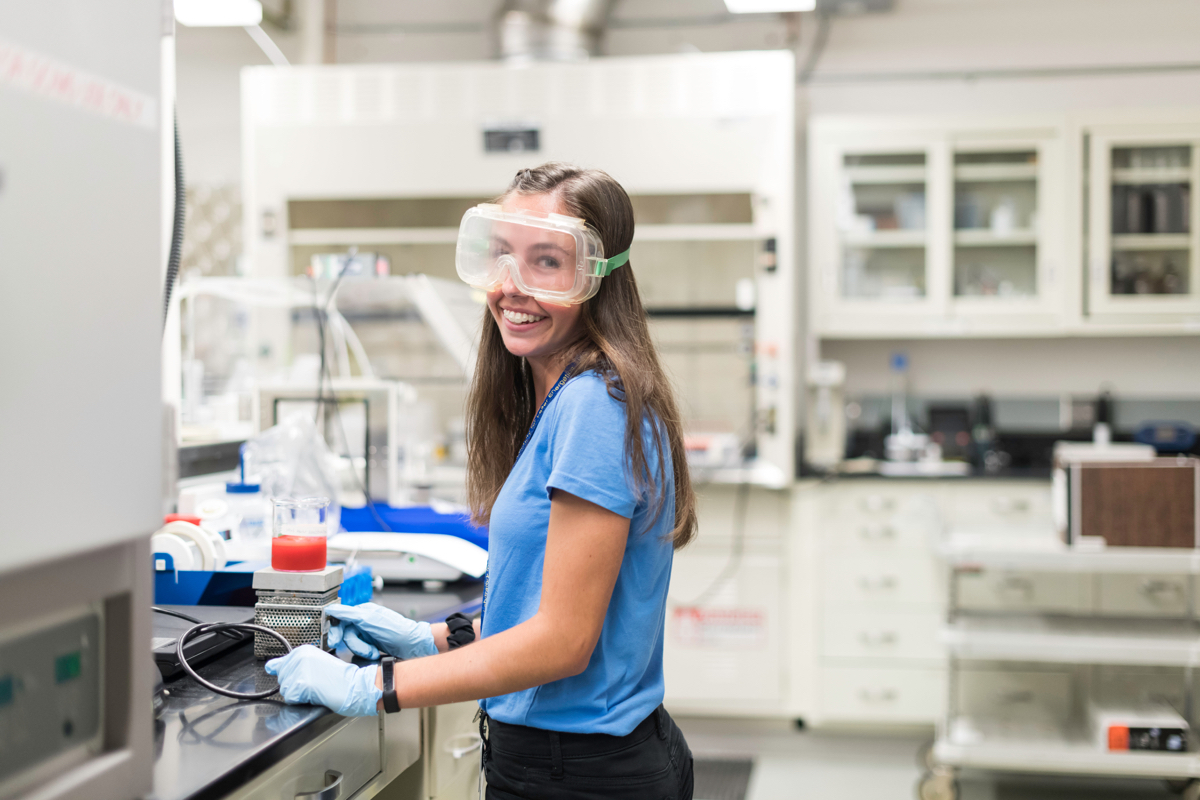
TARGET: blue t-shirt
(579,447)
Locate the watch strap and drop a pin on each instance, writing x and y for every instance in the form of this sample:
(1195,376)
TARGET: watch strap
(461,630)
(391,703)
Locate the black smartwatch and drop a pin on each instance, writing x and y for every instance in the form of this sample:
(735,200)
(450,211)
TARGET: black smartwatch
(391,703)
(462,630)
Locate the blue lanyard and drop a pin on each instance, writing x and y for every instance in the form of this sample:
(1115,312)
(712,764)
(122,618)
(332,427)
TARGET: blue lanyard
(559,384)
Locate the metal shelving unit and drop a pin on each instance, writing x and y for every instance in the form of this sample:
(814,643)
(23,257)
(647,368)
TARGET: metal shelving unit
(1042,643)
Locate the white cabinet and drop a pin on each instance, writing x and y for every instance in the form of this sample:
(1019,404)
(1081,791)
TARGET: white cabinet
(936,227)
(1144,223)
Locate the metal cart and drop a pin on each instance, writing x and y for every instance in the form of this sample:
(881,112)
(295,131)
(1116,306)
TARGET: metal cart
(1080,643)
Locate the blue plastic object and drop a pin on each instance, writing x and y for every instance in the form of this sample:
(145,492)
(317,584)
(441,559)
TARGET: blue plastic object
(240,486)
(232,586)
(357,587)
(417,519)
(1167,437)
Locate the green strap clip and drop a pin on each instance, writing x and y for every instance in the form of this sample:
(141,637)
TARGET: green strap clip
(604,266)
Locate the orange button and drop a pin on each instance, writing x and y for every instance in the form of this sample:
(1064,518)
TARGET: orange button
(1118,737)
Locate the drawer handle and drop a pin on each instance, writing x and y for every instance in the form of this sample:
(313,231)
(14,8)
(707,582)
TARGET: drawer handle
(332,790)
(881,639)
(472,742)
(876,503)
(1010,505)
(877,533)
(877,696)
(1017,585)
(881,583)
(1154,589)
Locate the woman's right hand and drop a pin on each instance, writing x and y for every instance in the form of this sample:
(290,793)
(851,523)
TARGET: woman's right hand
(369,629)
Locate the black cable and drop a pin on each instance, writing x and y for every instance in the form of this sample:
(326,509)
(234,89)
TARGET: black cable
(817,48)
(160,610)
(176,229)
(219,627)
(737,548)
(323,374)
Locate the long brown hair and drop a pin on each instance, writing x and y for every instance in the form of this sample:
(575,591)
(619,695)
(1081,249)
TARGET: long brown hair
(614,341)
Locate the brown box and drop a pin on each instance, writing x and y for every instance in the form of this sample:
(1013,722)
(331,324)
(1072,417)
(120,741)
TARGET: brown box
(1136,504)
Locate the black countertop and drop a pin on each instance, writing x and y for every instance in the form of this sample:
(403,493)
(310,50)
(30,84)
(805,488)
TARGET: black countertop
(207,745)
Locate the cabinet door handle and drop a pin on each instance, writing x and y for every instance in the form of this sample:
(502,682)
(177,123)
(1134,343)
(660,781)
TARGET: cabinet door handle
(1154,589)
(877,584)
(877,696)
(877,639)
(876,503)
(1017,585)
(1010,505)
(332,790)
(877,533)
(470,743)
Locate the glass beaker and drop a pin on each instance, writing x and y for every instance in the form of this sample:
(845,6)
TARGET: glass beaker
(298,532)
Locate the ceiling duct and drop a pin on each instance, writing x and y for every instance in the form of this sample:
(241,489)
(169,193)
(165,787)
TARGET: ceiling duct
(550,30)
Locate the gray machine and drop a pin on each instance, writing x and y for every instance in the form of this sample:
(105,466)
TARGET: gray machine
(81,257)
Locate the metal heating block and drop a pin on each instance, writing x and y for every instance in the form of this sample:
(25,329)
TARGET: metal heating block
(293,604)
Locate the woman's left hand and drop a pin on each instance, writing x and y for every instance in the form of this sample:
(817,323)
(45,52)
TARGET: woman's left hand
(310,675)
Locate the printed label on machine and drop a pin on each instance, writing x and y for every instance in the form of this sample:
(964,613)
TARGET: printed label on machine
(719,627)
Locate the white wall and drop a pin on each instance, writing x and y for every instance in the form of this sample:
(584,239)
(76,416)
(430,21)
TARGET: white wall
(855,75)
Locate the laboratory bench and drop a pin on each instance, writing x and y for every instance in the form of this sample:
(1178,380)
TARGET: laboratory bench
(209,747)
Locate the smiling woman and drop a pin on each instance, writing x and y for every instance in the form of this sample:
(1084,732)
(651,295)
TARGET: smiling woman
(576,463)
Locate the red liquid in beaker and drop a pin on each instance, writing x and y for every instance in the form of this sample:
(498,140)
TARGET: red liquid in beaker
(298,553)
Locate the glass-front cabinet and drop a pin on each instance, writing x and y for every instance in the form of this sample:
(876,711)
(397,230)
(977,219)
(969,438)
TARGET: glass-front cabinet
(934,232)
(1144,236)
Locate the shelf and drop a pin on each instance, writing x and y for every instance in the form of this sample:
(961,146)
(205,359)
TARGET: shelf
(726,232)
(996,172)
(897,174)
(1062,754)
(759,473)
(1066,640)
(984,237)
(344,237)
(889,238)
(1148,175)
(1152,241)
(1048,554)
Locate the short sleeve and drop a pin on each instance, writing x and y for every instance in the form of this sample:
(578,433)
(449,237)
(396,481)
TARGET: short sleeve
(587,446)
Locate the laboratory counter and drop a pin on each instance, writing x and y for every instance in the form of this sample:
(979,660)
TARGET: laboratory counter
(208,746)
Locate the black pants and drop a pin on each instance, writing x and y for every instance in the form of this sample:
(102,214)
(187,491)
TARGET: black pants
(653,762)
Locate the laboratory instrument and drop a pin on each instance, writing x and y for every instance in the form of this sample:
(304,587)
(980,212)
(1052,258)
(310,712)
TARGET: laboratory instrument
(549,257)
(1150,726)
(82,198)
(825,430)
(292,604)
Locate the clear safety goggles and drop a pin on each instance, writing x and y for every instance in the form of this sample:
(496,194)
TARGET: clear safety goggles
(551,258)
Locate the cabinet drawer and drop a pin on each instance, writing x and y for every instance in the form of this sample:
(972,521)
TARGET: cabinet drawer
(453,746)
(349,753)
(898,695)
(1017,696)
(883,634)
(1020,591)
(999,508)
(891,505)
(1142,595)
(879,536)
(856,580)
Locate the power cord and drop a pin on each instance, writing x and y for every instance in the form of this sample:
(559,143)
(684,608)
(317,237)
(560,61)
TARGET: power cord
(323,374)
(219,627)
(234,630)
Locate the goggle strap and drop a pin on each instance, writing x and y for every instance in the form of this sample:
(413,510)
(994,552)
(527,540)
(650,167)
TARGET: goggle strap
(605,266)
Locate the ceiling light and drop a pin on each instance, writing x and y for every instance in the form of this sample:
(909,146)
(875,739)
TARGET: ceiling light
(768,6)
(218,13)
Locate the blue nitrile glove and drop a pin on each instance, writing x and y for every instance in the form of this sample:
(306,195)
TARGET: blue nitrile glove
(309,675)
(368,629)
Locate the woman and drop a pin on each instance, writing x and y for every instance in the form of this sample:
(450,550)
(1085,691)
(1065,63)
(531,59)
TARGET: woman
(576,463)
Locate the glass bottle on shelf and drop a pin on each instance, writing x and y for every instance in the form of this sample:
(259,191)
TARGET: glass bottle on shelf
(1151,220)
(995,223)
(883,226)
